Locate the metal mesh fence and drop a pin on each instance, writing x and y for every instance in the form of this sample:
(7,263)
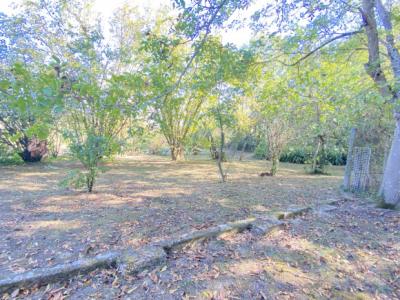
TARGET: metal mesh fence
(365,163)
(360,176)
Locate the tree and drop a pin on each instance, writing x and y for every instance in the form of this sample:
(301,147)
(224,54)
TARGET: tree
(228,68)
(326,88)
(177,111)
(99,102)
(391,92)
(275,110)
(30,101)
(222,112)
(179,90)
(312,25)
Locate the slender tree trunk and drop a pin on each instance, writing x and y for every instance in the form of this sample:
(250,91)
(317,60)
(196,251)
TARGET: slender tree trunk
(315,156)
(221,156)
(219,162)
(177,153)
(322,162)
(213,148)
(90,183)
(275,165)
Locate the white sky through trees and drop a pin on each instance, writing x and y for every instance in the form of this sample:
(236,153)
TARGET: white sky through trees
(239,36)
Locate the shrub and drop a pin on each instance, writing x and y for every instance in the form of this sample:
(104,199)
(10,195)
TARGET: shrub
(91,152)
(336,157)
(333,156)
(9,157)
(261,151)
(296,156)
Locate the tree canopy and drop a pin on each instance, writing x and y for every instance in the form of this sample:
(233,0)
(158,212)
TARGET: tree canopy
(311,71)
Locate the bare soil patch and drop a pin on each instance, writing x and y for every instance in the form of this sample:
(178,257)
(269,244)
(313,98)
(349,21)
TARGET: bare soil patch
(141,199)
(351,253)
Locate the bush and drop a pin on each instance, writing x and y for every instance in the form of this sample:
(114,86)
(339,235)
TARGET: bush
(9,157)
(91,153)
(336,157)
(261,151)
(333,156)
(296,156)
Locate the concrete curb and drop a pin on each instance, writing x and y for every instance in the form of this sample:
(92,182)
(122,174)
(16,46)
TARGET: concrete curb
(128,261)
(59,272)
(297,211)
(215,231)
(133,262)
(293,212)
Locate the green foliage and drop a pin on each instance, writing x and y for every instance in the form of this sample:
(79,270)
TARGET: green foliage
(30,100)
(261,151)
(169,91)
(74,179)
(333,156)
(336,157)
(99,104)
(9,157)
(181,85)
(90,153)
(296,156)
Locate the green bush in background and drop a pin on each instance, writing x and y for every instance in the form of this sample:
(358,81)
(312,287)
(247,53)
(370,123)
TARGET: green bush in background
(333,156)
(303,155)
(9,157)
(261,151)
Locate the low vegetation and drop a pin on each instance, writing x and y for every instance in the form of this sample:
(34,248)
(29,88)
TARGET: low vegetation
(115,133)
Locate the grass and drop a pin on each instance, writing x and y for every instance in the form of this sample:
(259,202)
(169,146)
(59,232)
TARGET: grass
(141,198)
(146,198)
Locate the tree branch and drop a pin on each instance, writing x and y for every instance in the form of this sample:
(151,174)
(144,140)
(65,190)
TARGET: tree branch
(343,35)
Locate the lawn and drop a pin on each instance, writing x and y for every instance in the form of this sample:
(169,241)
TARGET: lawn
(147,198)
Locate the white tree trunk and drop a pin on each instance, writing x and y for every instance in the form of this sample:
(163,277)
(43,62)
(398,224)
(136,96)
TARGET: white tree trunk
(391,177)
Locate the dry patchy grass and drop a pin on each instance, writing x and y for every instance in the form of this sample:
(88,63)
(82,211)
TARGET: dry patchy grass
(352,252)
(140,199)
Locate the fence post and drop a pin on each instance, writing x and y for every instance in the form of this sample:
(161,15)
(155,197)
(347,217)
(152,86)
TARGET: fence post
(349,161)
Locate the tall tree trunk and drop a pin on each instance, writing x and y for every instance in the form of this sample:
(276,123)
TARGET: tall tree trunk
(90,179)
(373,67)
(221,158)
(391,177)
(275,165)
(177,153)
(213,148)
(221,155)
(315,157)
(33,149)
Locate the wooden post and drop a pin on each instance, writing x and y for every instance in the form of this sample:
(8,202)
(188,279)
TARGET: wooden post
(349,162)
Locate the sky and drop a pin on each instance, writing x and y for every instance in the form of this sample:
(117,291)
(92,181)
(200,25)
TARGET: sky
(239,37)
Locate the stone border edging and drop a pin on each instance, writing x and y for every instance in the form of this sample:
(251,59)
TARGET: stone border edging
(214,231)
(128,261)
(53,274)
(134,261)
